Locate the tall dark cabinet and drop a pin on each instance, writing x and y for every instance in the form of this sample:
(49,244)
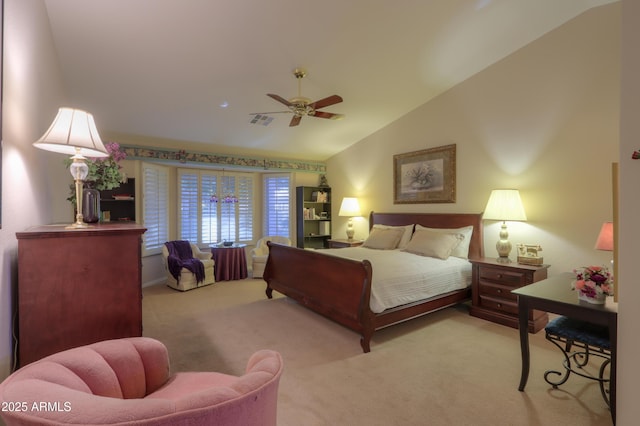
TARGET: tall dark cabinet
(313,216)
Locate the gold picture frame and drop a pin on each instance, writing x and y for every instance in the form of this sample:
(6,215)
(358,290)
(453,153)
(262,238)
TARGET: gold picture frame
(426,176)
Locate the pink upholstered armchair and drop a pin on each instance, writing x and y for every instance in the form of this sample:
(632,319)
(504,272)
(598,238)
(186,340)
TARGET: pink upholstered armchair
(127,382)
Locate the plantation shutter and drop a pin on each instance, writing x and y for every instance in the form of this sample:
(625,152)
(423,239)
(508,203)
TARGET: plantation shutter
(227,210)
(202,220)
(189,211)
(209,230)
(244,187)
(277,205)
(155,205)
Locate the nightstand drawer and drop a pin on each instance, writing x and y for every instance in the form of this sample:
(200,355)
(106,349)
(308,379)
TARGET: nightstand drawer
(506,277)
(498,291)
(492,284)
(499,305)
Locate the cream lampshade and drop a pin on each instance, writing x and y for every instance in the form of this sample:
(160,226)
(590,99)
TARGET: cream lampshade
(350,208)
(74,132)
(504,204)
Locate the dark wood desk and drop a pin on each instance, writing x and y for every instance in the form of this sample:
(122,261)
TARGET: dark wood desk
(230,262)
(555,295)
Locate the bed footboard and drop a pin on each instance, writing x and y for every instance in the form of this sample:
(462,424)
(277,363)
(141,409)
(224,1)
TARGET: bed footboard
(338,288)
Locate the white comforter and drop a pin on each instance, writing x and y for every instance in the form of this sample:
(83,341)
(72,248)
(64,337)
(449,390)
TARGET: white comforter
(400,277)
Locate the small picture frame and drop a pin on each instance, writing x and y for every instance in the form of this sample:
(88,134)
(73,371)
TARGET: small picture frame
(321,197)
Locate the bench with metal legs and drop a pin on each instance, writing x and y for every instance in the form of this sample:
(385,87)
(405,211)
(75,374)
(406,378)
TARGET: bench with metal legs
(579,342)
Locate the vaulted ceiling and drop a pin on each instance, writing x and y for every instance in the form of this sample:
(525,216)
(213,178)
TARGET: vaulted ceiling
(194,70)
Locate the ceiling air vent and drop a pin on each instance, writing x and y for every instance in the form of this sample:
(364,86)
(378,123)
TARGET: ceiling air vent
(261,119)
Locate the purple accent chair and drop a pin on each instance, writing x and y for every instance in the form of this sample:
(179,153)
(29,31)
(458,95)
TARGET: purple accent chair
(127,382)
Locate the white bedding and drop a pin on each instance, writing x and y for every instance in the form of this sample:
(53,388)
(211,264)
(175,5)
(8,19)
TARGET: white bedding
(400,277)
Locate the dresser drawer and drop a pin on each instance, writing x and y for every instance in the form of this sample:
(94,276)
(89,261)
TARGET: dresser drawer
(498,291)
(506,277)
(499,305)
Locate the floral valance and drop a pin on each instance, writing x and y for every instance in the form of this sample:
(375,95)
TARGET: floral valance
(227,160)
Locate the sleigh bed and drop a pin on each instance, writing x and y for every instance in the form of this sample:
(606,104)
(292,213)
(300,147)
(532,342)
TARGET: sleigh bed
(341,288)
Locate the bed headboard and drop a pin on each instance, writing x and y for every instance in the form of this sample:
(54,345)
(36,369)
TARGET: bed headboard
(437,220)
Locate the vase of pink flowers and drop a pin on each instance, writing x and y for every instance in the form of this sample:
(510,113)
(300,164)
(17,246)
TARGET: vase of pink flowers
(593,284)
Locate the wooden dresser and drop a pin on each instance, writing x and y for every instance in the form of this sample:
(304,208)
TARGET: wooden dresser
(77,287)
(491,287)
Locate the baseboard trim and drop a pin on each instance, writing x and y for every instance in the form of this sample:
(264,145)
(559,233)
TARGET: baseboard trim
(154,282)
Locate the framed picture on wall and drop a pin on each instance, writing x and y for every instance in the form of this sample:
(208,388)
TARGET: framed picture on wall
(426,176)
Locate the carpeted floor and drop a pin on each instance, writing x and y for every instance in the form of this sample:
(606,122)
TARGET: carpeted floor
(447,368)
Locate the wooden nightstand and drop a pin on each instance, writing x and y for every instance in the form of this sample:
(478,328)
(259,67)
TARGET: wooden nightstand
(491,287)
(344,243)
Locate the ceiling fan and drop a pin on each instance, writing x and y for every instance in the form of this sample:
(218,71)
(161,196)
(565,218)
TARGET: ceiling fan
(301,106)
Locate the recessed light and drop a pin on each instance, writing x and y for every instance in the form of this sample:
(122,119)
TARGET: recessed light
(224,104)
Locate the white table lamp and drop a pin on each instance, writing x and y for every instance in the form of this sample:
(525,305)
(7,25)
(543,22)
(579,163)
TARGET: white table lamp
(74,132)
(504,204)
(350,208)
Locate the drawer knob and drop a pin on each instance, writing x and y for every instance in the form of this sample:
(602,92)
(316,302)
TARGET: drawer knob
(499,275)
(499,305)
(499,290)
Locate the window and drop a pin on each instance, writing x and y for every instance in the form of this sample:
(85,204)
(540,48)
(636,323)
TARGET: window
(202,220)
(155,206)
(277,205)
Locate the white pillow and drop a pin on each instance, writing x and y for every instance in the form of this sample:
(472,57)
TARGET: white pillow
(462,250)
(406,236)
(383,239)
(433,244)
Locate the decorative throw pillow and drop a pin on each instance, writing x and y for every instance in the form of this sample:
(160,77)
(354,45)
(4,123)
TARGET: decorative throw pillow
(462,249)
(433,244)
(383,239)
(406,236)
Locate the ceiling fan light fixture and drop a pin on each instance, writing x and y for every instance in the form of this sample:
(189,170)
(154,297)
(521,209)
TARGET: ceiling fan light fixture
(300,100)
(302,106)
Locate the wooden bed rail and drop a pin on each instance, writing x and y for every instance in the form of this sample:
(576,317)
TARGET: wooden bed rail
(308,277)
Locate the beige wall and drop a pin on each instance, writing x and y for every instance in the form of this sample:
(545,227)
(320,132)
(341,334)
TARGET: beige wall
(629,238)
(554,104)
(544,120)
(33,91)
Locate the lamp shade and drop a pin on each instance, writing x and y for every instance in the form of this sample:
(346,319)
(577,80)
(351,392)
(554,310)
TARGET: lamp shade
(73,132)
(605,237)
(504,204)
(349,207)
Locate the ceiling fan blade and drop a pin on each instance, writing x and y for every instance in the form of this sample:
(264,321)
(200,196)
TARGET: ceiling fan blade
(331,100)
(329,115)
(295,120)
(280,99)
(270,112)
